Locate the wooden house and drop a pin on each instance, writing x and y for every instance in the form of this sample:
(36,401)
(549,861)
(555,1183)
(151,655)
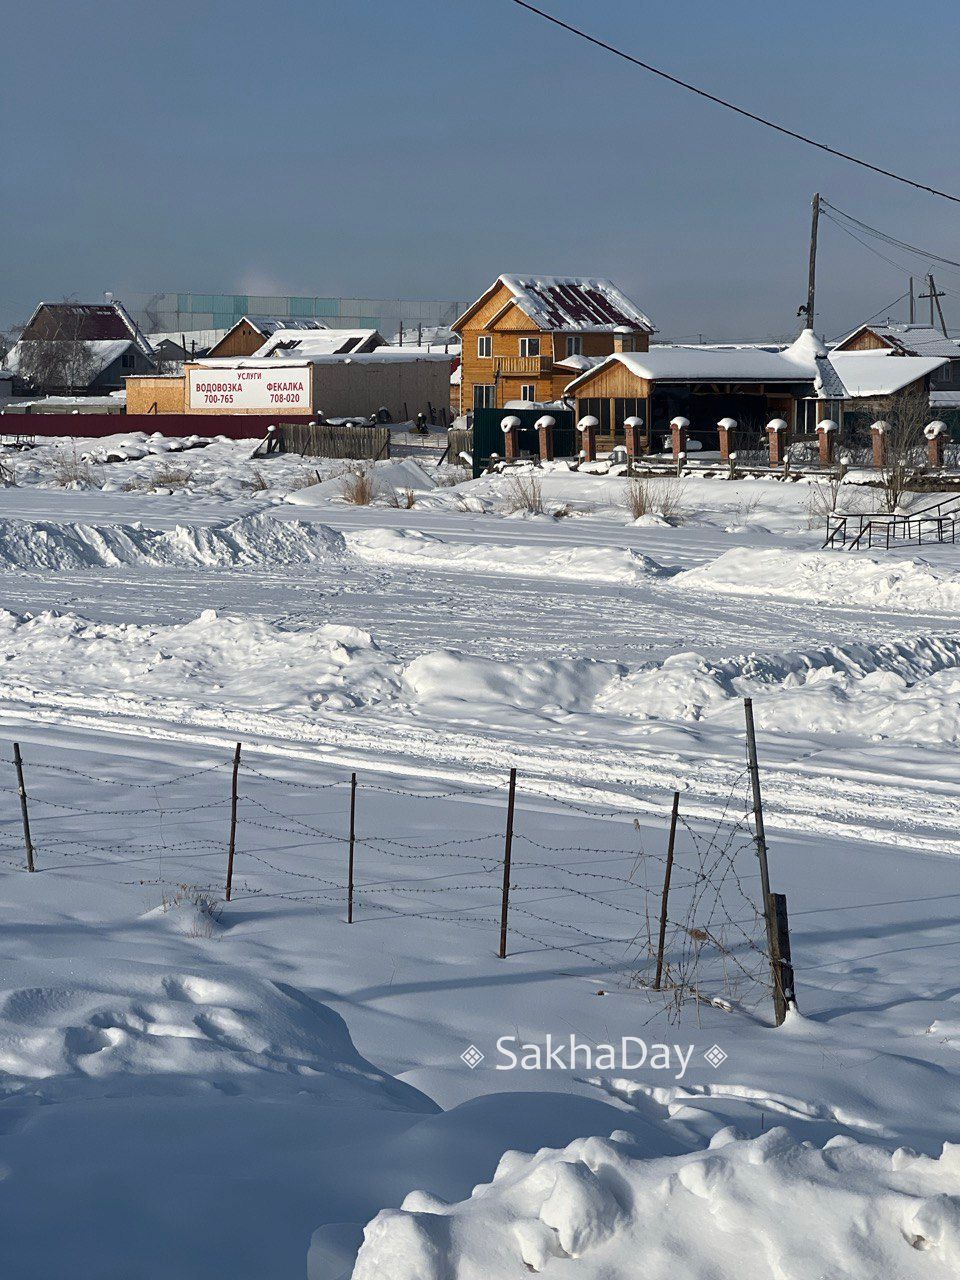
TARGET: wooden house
(526,336)
(802,384)
(250,333)
(914,340)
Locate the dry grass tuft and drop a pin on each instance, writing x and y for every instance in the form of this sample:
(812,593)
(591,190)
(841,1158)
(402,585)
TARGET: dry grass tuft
(663,496)
(359,488)
(524,493)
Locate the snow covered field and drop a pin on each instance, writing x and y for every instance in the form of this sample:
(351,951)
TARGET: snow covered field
(200,1089)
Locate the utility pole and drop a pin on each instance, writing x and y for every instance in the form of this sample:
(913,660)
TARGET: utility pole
(812,274)
(913,305)
(935,294)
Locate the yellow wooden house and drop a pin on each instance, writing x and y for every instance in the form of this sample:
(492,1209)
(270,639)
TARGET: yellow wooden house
(526,337)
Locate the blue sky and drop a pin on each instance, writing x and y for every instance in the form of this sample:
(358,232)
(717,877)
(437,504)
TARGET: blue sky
(417,148)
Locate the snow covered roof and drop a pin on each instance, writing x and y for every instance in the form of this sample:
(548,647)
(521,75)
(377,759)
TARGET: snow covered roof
(102,352)
(579,364)
(570,304)
(84,322)
(204,338)
(268,325)
(708,364)
(323,342)
(877,373)
(910,339)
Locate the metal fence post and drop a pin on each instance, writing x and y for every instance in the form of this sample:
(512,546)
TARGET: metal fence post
(233,821)
(507,850)
(666,889)
(23,806)
(353,835)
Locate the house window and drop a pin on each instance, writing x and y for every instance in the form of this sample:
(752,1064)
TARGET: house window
(484,397)
(528,391)
(529,347)
(126,360)
(574,344)
(485,346)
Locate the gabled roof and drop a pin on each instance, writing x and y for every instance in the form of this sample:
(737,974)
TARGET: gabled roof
(838,375)
(568,304)
(84,322)
(102,352)
(325,342)
(268,325)
(876,373)
(908,340)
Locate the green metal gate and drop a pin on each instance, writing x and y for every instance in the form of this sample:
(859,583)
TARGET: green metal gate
(488,434)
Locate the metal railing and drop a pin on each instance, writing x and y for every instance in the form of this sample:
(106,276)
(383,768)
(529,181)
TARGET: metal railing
(856,530)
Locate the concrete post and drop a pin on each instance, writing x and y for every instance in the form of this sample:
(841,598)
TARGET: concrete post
(726,429)
(827,432)
(545,426)
(777,438)
(588,434)
(936,434)
(633,438)
(510,427)
(678,430)
(878,434)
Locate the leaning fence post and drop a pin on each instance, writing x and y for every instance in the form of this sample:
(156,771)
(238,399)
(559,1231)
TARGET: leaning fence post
(23,806)
(666,889)
(233,820)
(353,834)
(507,850)
(774,947)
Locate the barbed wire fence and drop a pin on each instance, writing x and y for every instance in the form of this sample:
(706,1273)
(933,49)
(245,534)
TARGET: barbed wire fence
(678,908)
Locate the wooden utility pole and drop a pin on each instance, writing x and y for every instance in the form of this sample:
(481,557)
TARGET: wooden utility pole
(913,305)
(666,889)
(812,273)
(233,821)
(507,851)
(778,946)
(23,806)
(353,836)
(935,294)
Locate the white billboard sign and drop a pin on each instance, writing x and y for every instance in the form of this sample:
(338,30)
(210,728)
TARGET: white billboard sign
(264,389)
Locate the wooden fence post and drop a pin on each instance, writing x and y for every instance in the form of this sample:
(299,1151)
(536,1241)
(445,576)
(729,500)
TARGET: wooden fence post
(233,821)
(23,806)
(353,834)
(507,851)
(666,889)
(774,947)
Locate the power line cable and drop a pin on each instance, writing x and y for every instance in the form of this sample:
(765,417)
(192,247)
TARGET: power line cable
(732,106)
(891,240)
(901,268)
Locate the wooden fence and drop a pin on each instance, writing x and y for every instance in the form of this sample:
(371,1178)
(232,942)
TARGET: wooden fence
(321,440)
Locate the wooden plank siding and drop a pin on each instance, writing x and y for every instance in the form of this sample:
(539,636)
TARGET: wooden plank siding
(500,318)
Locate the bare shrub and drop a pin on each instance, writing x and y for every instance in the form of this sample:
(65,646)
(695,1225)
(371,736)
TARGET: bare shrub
(305,480)
(451,476)
(359,488)
(402,498)
(663,496)
(524,493)
(258,482)
(206,910)
(903,446)
(169,476)
(69,468)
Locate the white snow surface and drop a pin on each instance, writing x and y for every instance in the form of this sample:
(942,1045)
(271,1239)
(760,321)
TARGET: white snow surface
(769,1206)
(192,1087)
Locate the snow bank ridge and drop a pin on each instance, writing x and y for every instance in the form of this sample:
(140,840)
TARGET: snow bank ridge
(253,540)
(828,578)
(580,563)
(717,1212)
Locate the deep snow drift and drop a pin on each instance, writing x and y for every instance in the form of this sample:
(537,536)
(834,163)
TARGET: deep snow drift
(769,1206)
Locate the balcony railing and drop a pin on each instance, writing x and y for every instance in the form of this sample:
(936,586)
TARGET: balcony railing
(535,366)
